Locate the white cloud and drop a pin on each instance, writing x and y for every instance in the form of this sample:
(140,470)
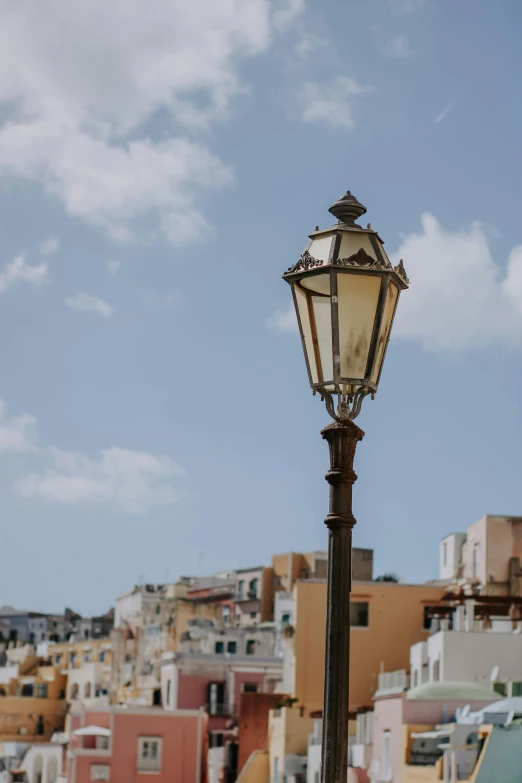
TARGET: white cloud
(397,47)
(49,246)
(133,482)
(460,297)
(78,102)
(89,303)
(283,320)
(444,113)
(18,271)
(113,265)
(184,228)
(331,103)
(16,433)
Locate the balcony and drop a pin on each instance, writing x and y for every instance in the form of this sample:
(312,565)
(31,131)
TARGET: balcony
(214,710)
(251,595)
(392,682)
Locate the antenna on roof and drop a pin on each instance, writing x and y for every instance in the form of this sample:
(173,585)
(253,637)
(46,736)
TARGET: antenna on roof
(493,677)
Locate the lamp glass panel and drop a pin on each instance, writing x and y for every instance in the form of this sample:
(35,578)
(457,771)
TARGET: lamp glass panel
(357,302)
(352,241)
(303,315)
(384,333)
(321,247)
(322,310)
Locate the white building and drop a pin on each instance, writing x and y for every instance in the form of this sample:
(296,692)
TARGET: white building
(451,555)
(467,656)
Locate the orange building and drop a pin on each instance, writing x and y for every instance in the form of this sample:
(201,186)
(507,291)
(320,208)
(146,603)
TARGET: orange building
(386,619)
(32,704)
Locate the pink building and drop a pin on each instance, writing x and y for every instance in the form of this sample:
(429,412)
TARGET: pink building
(424,706)
(129,744)
(190,681)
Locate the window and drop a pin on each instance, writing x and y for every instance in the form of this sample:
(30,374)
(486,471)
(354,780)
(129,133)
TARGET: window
(100,772)
(158,609)
(57,659)
(249,687)
(86,633)
(149,754)
(252,588)
(285,619)
(240,588)
(219,648)
(359,614)
(41,690)
(225,615)
(232,648)
(71,659)
(86,657)
(102,656)
(250,647)
(216,739)
(474,564)
(426,623)
(167,697)
(216,698)
(445,554)
(276,770)
(253,615)
(436,671)
(27,689)
(386,755)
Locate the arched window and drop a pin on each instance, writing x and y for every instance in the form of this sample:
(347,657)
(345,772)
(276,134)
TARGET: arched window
(74,691)
(87,690)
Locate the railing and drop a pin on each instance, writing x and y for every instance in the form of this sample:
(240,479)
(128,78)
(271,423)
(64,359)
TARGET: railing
(218,709)
(393,682)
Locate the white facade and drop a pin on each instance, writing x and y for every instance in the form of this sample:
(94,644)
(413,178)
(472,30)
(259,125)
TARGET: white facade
(283,609)
(87,683)
(466,656)
(128,607)
(42,762)
(451,554)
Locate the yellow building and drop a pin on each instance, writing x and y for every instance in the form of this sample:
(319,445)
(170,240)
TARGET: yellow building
(288,732)
(386,619)
(32,703)
(73,655)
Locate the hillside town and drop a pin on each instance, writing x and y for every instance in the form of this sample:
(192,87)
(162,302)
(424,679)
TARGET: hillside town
(219,679)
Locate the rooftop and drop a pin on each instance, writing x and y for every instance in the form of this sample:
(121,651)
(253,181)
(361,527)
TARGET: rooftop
(451,691)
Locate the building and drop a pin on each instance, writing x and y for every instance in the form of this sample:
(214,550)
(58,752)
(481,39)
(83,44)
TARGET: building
(288,732)
(471,656)
(292,567)
(22,761)
(488,555)
(216,683)
(132,743)
(379,610)
(253,595)
(205,636)
(399,716)
(254,709)
(32,701)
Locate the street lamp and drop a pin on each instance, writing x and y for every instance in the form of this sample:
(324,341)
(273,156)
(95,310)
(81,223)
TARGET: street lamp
(345,292)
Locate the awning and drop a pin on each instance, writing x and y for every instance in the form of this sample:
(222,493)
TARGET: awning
(92,731)
(430,734)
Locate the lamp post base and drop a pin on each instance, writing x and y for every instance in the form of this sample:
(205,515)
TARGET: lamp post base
(342,436)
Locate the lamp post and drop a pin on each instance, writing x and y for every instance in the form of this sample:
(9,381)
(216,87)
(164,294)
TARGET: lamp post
(345,293)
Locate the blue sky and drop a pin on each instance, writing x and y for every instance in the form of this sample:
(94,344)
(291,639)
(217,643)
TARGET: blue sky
(160,166)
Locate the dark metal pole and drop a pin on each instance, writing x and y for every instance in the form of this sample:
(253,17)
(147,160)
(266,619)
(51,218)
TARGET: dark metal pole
(342,437)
